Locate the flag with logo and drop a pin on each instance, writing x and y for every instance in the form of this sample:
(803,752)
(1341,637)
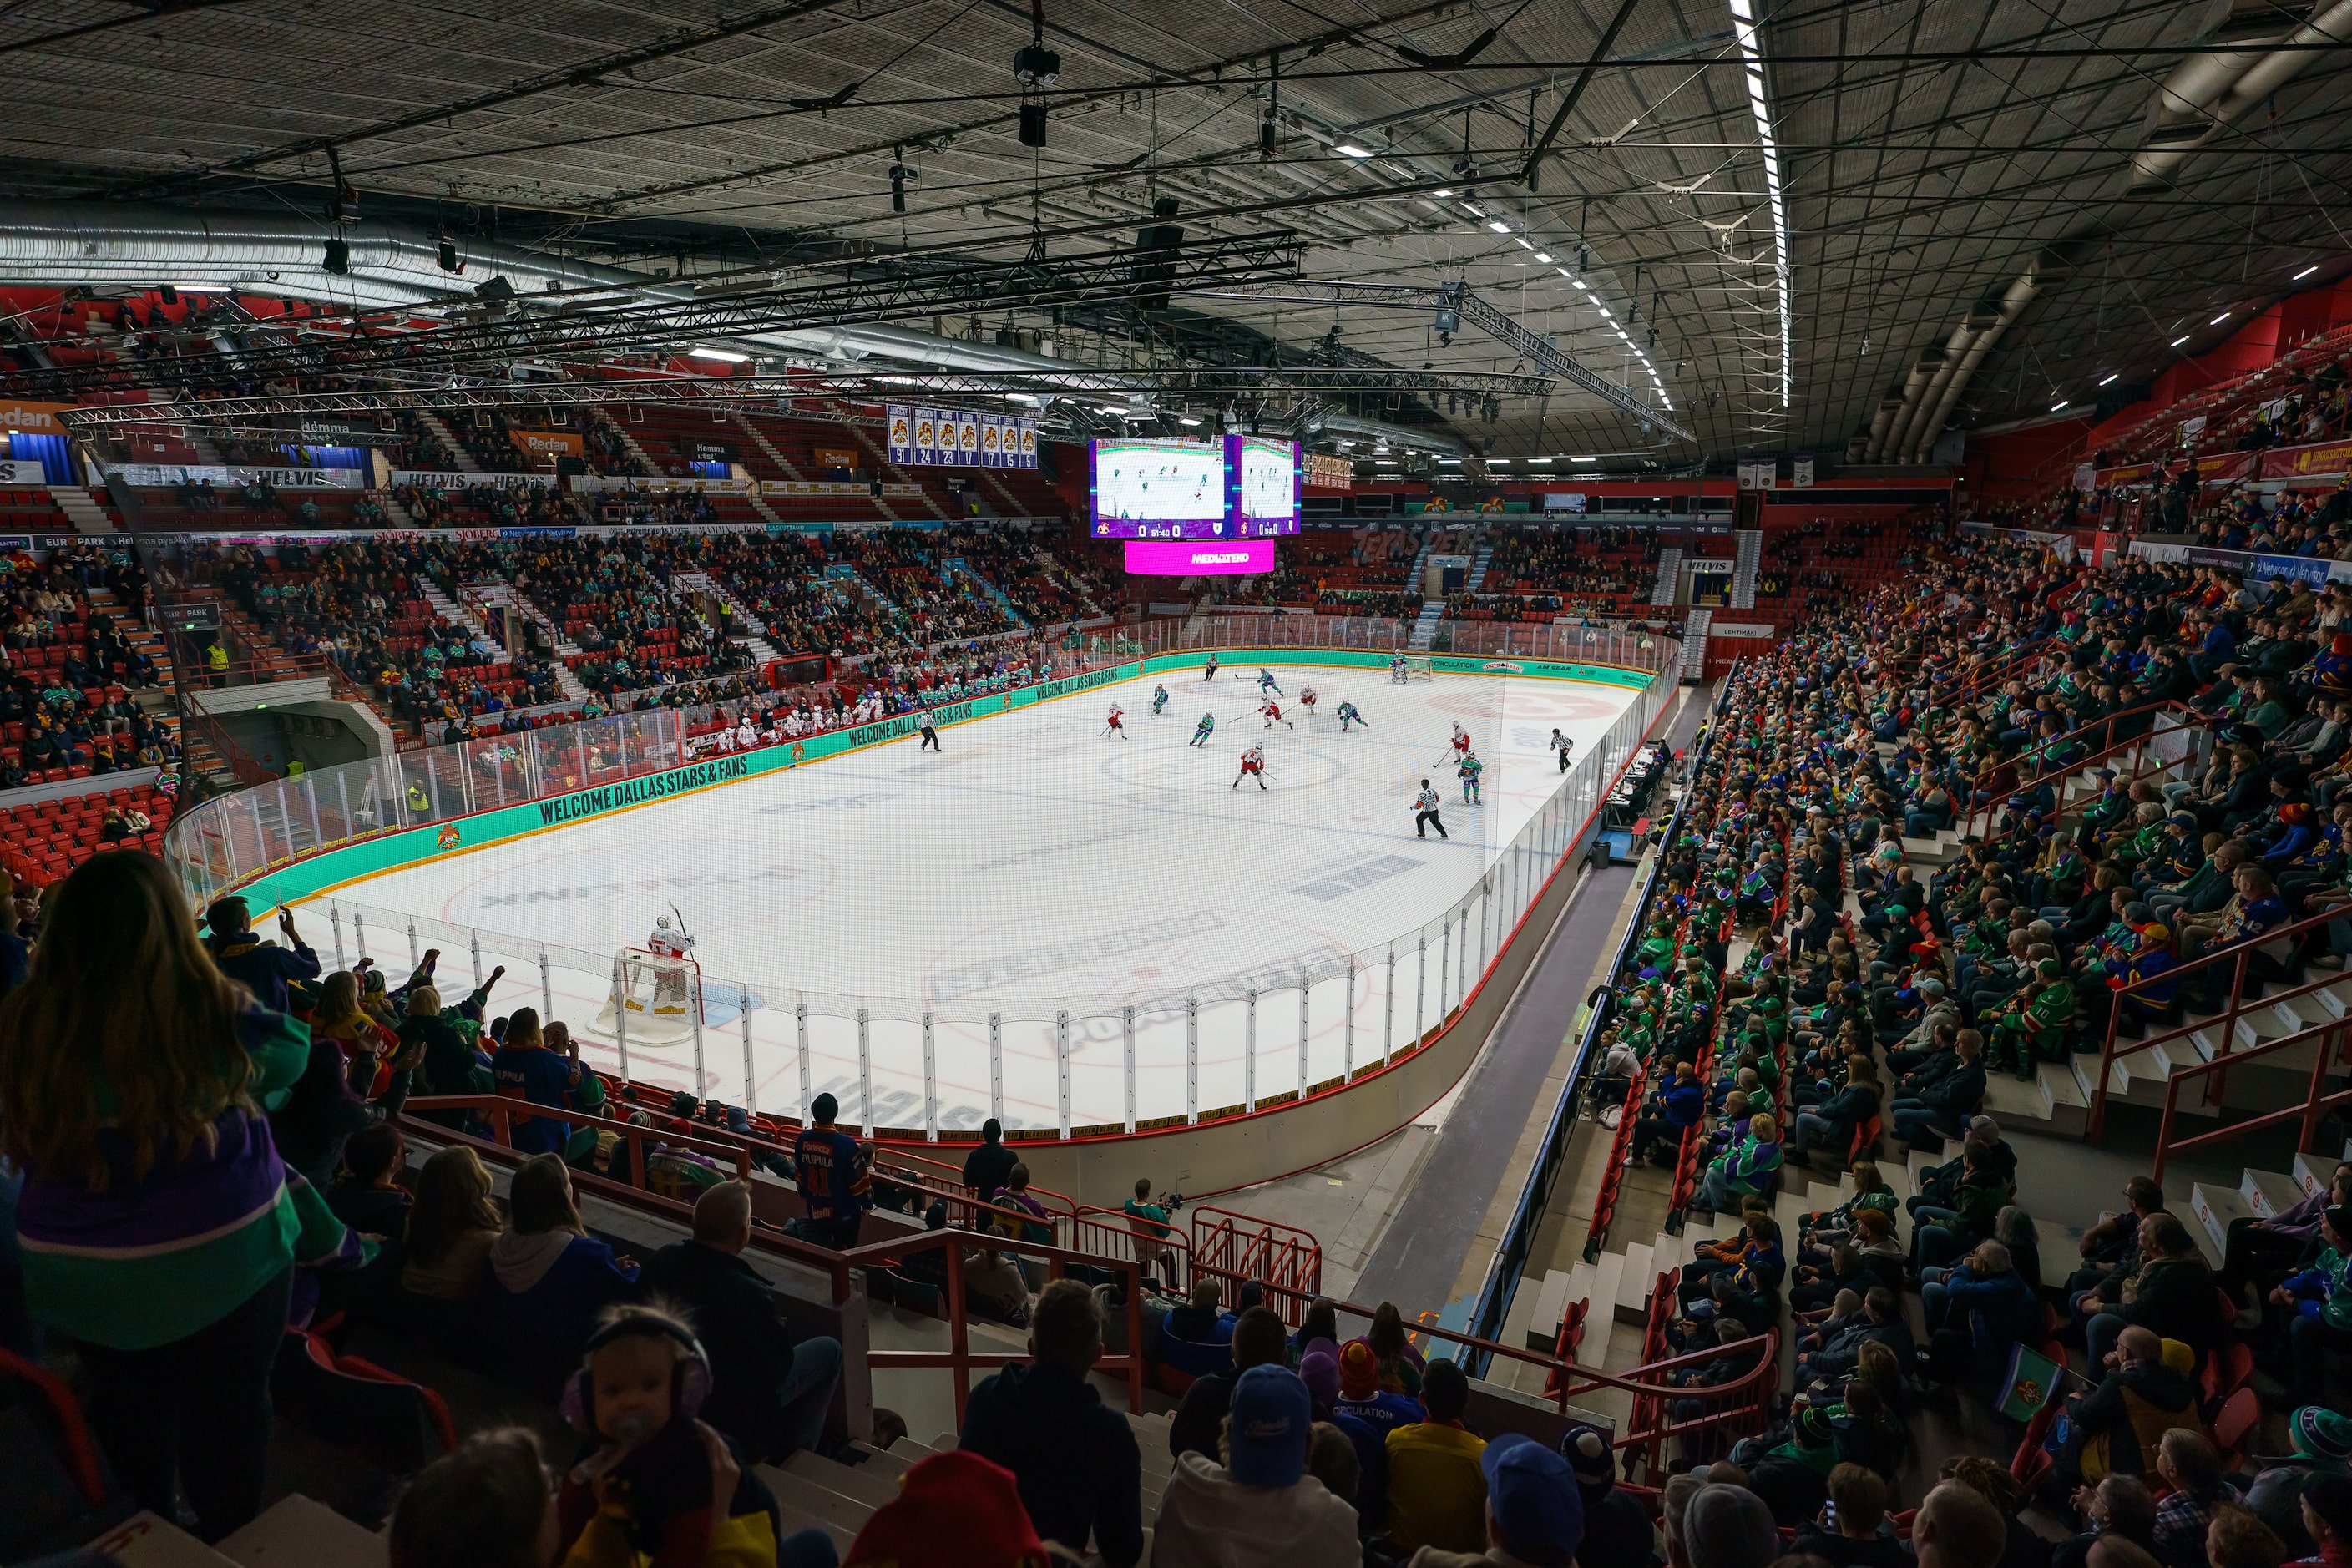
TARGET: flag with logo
(2031,1383)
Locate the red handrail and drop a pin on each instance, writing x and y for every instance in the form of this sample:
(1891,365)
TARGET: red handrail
(2236,956)
(2330,1041)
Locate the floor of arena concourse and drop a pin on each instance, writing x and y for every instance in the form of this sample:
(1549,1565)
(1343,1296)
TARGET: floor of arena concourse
(1032,864)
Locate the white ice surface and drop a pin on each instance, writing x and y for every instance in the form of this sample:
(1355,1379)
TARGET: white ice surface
(1030,867)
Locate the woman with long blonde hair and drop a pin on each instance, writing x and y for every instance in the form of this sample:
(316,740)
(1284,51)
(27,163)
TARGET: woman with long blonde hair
(157,1228)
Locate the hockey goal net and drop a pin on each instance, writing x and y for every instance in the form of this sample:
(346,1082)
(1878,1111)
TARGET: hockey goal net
(656,999)
(1420,667)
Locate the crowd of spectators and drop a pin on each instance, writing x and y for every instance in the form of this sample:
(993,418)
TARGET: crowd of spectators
(239,1106)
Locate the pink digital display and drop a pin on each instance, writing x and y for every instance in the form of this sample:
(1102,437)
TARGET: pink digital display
(1199,558)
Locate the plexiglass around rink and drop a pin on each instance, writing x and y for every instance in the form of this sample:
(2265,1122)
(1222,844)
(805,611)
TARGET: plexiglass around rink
(1038,922)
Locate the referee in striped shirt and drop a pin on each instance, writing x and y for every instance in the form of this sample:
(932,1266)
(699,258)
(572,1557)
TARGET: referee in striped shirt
(1425,813)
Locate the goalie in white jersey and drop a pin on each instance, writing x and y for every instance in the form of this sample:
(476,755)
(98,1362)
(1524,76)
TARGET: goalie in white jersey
(669,941)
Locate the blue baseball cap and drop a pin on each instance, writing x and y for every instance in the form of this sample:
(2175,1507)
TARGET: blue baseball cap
(1531,1495)
(1268,1431)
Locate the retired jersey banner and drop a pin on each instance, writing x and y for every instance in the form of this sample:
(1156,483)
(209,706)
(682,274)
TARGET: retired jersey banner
(960,438)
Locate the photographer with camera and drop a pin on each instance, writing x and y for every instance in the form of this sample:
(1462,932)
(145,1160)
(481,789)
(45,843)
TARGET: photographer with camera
(1150,1222)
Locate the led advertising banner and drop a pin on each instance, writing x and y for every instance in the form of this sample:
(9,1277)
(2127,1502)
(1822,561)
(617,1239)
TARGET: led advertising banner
(1268,479)
(1154,489)
(1187,558)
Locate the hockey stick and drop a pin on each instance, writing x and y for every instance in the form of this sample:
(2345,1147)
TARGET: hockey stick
(681,920)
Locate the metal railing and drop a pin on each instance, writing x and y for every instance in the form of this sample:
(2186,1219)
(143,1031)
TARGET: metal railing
(776,1039)
(1508,1268)
(2232,1007)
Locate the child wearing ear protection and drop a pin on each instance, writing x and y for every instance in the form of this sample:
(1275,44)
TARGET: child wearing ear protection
(655,1488)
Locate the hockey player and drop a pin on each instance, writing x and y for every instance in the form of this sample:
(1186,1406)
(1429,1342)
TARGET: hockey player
(1396,677)
(1209,673)
(667,942)
(1563,745)
(1253,766)
(746,737)
(1307,697)
(1112,725)
(1348,715)
(1461,740)
(669,985)
(1266,684)
(1158,700)
(1273,712)
(1468,771)
(1204,730)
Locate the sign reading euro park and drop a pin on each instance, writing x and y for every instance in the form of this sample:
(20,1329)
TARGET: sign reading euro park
(960,438)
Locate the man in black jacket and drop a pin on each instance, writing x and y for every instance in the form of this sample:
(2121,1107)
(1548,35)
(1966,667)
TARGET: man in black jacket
(769,1394)
(262,967)
(1074,1459)
(1945,1104)
(987,1168)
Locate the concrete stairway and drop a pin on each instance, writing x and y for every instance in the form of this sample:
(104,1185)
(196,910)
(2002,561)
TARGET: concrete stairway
(1478,563)
(447,437)
(2259,1195)
(1670,570)
(86,515)
(451,610)
(505,594)
(775,452)
(956,566)
(629,444)
(761,650)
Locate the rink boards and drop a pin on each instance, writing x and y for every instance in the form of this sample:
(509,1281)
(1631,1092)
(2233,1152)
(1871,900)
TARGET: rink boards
(1054,1033)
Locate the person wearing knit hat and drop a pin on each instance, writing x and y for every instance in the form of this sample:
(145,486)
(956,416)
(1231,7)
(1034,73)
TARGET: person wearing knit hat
(954,1509)
(2322,1434)
(1728,1526)
(2322,1446)
(1361,1396)
(1260,1506)
(1318,1369)
(1617,1527)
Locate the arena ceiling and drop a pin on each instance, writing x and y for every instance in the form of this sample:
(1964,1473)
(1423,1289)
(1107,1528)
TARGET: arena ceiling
(1925,158)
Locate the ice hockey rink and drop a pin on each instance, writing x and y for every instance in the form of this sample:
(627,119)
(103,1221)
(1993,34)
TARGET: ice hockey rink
(995,908)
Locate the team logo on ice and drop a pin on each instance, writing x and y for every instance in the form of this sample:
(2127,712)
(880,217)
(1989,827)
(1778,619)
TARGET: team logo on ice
(449,836)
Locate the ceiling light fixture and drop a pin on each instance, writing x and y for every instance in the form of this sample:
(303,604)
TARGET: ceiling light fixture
(1584,460)
(1743,24)
(1350,150)
(1472,208)
(1442,193)
(2112,376)
(2305,273)
(2178,341)
(1182,420)
(722,354)
(1499,225)
(2056,406)
(2221,318)
(1544,257)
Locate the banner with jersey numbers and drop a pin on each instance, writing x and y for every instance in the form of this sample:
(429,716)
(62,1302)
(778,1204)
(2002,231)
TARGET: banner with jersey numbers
(960,438)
